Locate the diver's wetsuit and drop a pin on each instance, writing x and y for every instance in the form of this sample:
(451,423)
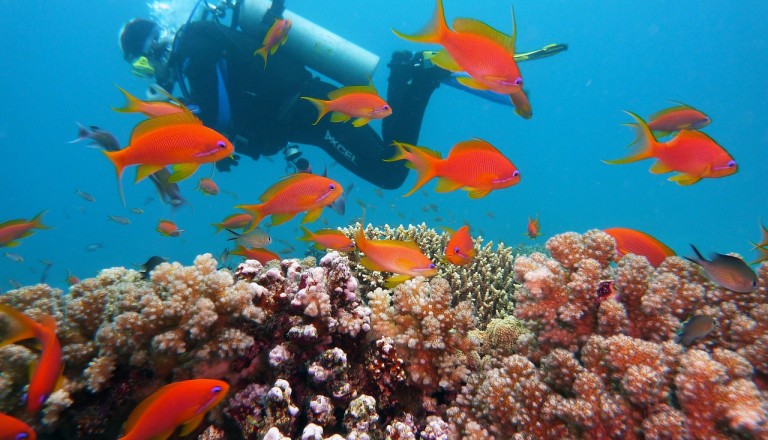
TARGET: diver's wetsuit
(261,110)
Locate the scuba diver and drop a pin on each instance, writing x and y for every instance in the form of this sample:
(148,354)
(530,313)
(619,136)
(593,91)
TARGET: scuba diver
(258,107)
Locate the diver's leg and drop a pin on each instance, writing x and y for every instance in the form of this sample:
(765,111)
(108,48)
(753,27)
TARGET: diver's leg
(411,83)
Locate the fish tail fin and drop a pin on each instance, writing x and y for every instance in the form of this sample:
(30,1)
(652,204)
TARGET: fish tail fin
(698,255)
(322,107)
(219,227)
(645,144)
(434,32)
(421,159)
(256,212)
(82,133)
(131,105)
(38,221)
(307,234)
(24,329)
(262,53)
(115,158)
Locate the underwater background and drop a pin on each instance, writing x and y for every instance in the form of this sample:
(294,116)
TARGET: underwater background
(563,340)
(62,63)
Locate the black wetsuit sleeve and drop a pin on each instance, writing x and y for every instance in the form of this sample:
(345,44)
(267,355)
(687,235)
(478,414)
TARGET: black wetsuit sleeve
(359,149)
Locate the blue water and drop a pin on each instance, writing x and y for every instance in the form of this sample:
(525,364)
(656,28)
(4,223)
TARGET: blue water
(61,63)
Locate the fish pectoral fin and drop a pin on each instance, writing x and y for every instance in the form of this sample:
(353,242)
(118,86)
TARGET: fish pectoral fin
(145,170)
(359,122)
(395,280)
(478,193)
(684,179)
(182,171)
(446,185)
(472,83)
(279,219)
(312,215)
(339,117)
(660,168)
(369,264)
(444,60)
(191,425)
(13,244)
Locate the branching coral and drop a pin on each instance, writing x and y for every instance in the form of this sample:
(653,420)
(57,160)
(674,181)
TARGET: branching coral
(589,351)
(486,281)
(432,335)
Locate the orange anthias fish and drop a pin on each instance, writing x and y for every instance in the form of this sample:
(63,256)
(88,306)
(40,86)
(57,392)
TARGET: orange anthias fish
(178,139)
(403,258)
(691,153)
(47,374)
(361,102)
(328,239)
(294,194)
(261,255)
(13,230)
(168,228)
(234,221)
(533,227)
(12,428)
(481,51)
(207,186)
(460,249)
(679,117)
(474,165)
(276,37)
(180,403)
(630,241)
(152,109)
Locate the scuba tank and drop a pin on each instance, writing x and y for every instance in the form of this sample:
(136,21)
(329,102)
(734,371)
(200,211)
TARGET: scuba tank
(319,49)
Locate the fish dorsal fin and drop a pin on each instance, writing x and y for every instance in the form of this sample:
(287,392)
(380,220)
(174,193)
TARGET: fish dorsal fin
(408,244)
(369,89)
(152,124)
(473,145)
(171,98)
(283,183)
(142,407)
(669,110)
(13,222)
(693,135)
(477,27)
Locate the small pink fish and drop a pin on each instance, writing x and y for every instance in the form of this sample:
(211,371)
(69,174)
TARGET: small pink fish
(207,186)
(168,228)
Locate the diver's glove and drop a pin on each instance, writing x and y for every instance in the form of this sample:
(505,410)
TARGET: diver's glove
(225,165)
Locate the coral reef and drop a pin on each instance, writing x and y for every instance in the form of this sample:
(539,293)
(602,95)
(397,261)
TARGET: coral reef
(582,347)
(486,281)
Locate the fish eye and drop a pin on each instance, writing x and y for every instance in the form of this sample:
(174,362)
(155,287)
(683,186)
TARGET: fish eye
(221,144)
(331,187)
(21,436)
(515,173)
(216,389)
(519,81)
(456,249)
(432,265)
(386,107)
(731,163)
